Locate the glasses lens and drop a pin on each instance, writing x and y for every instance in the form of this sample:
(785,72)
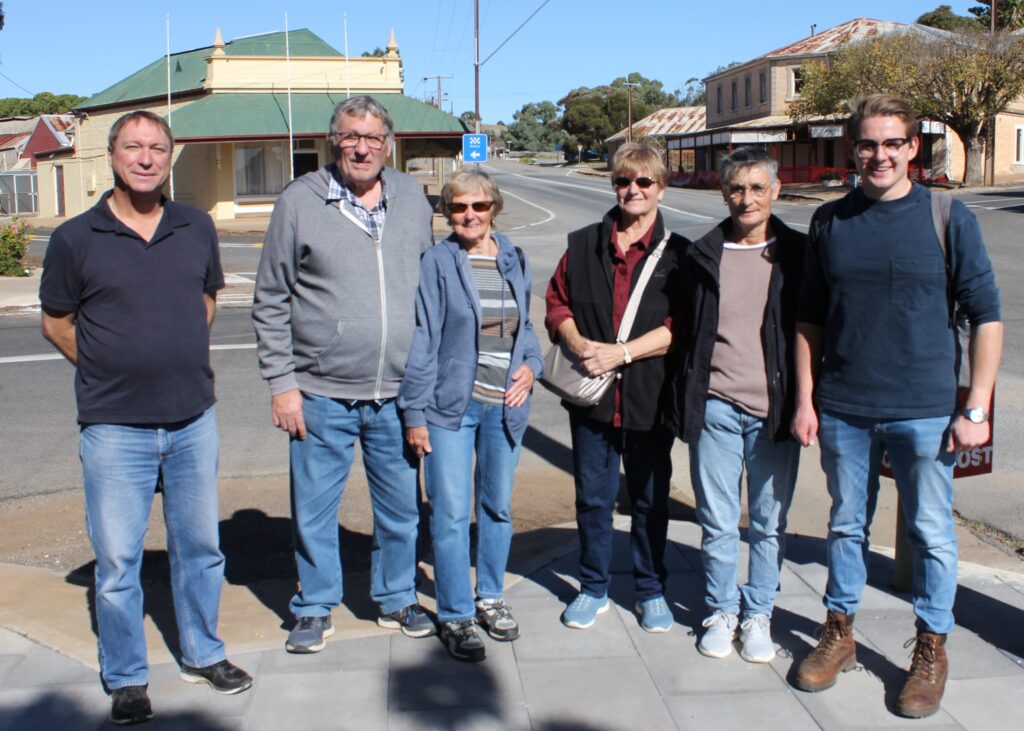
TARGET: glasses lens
(481,206)
(645,182)
(621,182)
(458,207)
(642,182)
(351,139)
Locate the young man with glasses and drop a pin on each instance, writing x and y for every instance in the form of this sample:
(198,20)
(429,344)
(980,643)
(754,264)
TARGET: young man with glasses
(734,398)
(875,357)
(334,316)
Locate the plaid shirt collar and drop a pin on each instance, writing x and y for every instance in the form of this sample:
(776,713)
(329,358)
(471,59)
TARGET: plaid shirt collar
(372,218)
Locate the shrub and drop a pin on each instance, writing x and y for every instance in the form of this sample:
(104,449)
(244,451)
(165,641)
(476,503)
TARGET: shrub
(14,239)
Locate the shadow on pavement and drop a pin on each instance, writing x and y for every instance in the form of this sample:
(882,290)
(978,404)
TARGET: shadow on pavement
(55,711)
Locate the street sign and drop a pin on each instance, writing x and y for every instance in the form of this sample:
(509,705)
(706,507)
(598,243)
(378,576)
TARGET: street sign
(474,148)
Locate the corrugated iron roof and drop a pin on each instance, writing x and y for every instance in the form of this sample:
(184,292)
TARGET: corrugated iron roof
(858,29)
(669,121)
(188,68)
(11,141)
(262,115)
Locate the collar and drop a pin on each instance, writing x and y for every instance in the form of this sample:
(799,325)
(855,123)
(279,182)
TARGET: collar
(102,219)
(337,190)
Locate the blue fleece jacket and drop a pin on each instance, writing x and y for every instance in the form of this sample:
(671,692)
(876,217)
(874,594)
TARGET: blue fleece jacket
(438,382)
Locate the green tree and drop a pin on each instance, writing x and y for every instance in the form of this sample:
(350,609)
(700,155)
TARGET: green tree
(944,18)
(963,80)
(535,127)
(377,52)
(594,114)
(1009,14)
(468,118)
(42,103)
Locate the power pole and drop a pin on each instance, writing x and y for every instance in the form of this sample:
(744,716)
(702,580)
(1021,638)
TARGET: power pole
(476,64)
(629,107)
(437,101)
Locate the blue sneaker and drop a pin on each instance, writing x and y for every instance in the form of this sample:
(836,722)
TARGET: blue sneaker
(413,620)
(655,616)
(584,610)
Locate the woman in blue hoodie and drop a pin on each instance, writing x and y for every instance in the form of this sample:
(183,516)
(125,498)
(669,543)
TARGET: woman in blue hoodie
(466,392)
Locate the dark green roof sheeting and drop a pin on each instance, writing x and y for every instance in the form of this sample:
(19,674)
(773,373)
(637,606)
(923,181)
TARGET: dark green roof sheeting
(231,115)
(188,68)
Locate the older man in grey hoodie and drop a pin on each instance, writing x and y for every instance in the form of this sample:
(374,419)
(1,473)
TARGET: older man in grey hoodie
(334,316)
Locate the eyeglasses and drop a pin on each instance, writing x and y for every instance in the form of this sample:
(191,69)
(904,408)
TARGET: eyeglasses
(868,148)
(738,192)
(351,139)
(478,206)
(642,182)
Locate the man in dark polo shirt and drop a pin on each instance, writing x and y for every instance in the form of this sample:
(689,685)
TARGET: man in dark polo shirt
(128,294)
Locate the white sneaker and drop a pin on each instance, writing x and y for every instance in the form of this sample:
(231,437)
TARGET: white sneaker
(756,634)
(720,631)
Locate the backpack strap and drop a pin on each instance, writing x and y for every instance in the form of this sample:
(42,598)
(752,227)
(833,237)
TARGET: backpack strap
(941,205)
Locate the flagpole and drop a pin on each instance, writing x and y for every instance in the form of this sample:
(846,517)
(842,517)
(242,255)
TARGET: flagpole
(288,67)
(169,95)
(348,75)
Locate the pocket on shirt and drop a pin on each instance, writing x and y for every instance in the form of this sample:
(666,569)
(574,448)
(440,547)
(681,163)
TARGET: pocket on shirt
(915,281)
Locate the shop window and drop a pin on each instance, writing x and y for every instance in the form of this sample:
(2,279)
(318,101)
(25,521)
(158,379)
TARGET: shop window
(734,96)
(718,99)
(746,92)
(260,169)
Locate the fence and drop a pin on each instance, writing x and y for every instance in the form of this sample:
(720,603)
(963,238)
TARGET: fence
(19,192)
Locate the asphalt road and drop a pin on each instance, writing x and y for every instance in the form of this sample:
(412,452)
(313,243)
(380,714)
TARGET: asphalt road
(38,435)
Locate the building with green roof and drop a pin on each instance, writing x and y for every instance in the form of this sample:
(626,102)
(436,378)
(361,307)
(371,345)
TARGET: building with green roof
(235,109)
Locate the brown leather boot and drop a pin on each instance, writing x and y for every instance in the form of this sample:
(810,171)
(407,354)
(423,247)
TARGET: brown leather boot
(926,681)
(836,653)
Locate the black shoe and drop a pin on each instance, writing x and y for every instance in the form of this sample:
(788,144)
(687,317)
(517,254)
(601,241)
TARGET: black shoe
(129,705)
(462,640)
(223,677)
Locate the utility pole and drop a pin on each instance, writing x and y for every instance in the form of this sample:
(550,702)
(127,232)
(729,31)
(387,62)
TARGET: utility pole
(437,100)
(629,107)
(476,64)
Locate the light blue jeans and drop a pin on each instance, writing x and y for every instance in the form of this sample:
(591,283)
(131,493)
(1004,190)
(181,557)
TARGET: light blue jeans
(450,475)
(851,453)
(320,464)
(121,466)
(731,440)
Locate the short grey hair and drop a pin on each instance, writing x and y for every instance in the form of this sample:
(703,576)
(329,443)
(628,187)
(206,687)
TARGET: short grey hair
(359,107)
(468,180)
(748,157)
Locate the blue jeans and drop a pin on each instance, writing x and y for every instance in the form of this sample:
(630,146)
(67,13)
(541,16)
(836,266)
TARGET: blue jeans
(597,449)
(121,466)
(449,476)
(851,452)
(731,439)
(320,464)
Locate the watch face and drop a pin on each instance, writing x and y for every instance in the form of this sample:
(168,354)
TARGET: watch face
(976,415)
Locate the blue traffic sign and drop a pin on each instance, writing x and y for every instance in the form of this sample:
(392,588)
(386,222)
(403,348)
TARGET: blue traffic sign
(474,148)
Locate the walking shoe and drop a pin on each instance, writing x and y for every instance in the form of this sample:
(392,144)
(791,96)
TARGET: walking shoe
(756,635)
(129,705)
(412,620)
(720,632)
(224,677)
(655,616)
(309,635)
(463,641)
(926,681)
(495,616)
(584,610)
(836,653)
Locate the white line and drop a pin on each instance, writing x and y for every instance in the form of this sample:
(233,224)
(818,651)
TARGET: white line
(1018,204)
(40,357)
(687,213)
(551,215)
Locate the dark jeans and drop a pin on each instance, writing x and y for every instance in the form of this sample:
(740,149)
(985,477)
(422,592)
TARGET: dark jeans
(597,449)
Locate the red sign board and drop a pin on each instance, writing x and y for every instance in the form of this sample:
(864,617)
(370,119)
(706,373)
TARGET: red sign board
(977,461)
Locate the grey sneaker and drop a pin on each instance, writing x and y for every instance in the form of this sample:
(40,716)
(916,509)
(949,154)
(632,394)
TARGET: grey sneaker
(462,640)
(412,620)
(309,634)
(495,616)
(720,632)
(756,635)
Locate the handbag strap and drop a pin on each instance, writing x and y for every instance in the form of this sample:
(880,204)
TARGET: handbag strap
(641,284)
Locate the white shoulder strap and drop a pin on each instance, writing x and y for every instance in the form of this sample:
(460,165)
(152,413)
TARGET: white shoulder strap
(641,284)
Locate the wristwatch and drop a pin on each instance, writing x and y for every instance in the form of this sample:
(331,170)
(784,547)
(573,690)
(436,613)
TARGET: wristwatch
(976,415)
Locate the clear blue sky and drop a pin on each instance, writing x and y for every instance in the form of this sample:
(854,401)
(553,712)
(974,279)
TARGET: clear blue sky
(76,47)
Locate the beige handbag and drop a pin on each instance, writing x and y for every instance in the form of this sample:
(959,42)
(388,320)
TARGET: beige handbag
(563,374)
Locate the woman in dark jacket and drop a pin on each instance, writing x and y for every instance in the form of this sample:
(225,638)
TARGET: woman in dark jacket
(586,300)
(466,394)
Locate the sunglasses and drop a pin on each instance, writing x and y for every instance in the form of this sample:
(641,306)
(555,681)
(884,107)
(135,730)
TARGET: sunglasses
(478,206)
(641,182)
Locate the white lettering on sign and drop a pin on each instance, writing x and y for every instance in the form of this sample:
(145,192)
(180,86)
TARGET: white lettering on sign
(974,457)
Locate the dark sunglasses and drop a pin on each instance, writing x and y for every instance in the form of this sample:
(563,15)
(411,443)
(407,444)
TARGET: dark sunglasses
(641,182)
(478,206)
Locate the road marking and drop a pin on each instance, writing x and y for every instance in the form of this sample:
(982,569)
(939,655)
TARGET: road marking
(551,215)
(41,357)
(241,245)
(1018,204)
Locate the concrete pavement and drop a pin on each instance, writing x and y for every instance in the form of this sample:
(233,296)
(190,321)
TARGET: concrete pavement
(613,676)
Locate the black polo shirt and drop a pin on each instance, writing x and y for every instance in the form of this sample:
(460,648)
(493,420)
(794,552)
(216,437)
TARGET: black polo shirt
(143,341)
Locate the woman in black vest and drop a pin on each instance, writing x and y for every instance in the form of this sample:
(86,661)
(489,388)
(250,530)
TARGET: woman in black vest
(586,300)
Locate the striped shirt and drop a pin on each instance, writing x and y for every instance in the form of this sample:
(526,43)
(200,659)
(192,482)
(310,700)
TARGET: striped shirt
(497,331)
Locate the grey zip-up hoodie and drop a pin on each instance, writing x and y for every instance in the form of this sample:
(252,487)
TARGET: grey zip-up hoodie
(334,310)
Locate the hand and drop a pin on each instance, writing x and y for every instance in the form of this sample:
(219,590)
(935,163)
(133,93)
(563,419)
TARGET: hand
(600,358)
(804,426)
(418,438)
(286,410)
(965,435)
(522,384)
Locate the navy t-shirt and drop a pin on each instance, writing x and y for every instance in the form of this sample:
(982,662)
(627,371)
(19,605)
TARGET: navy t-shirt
(875,280)
(143,342)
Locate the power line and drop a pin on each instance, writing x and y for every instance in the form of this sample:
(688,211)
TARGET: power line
(17,84)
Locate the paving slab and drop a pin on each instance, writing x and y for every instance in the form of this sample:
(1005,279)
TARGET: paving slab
(514,718)
(354,699)
(736,711)
(985,703)
(79,707)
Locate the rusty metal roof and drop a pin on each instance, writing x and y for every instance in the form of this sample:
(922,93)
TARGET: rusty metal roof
(858,29)
(669,121)
(10,142)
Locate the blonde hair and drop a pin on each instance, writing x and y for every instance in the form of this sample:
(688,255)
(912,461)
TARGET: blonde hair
(636,158)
